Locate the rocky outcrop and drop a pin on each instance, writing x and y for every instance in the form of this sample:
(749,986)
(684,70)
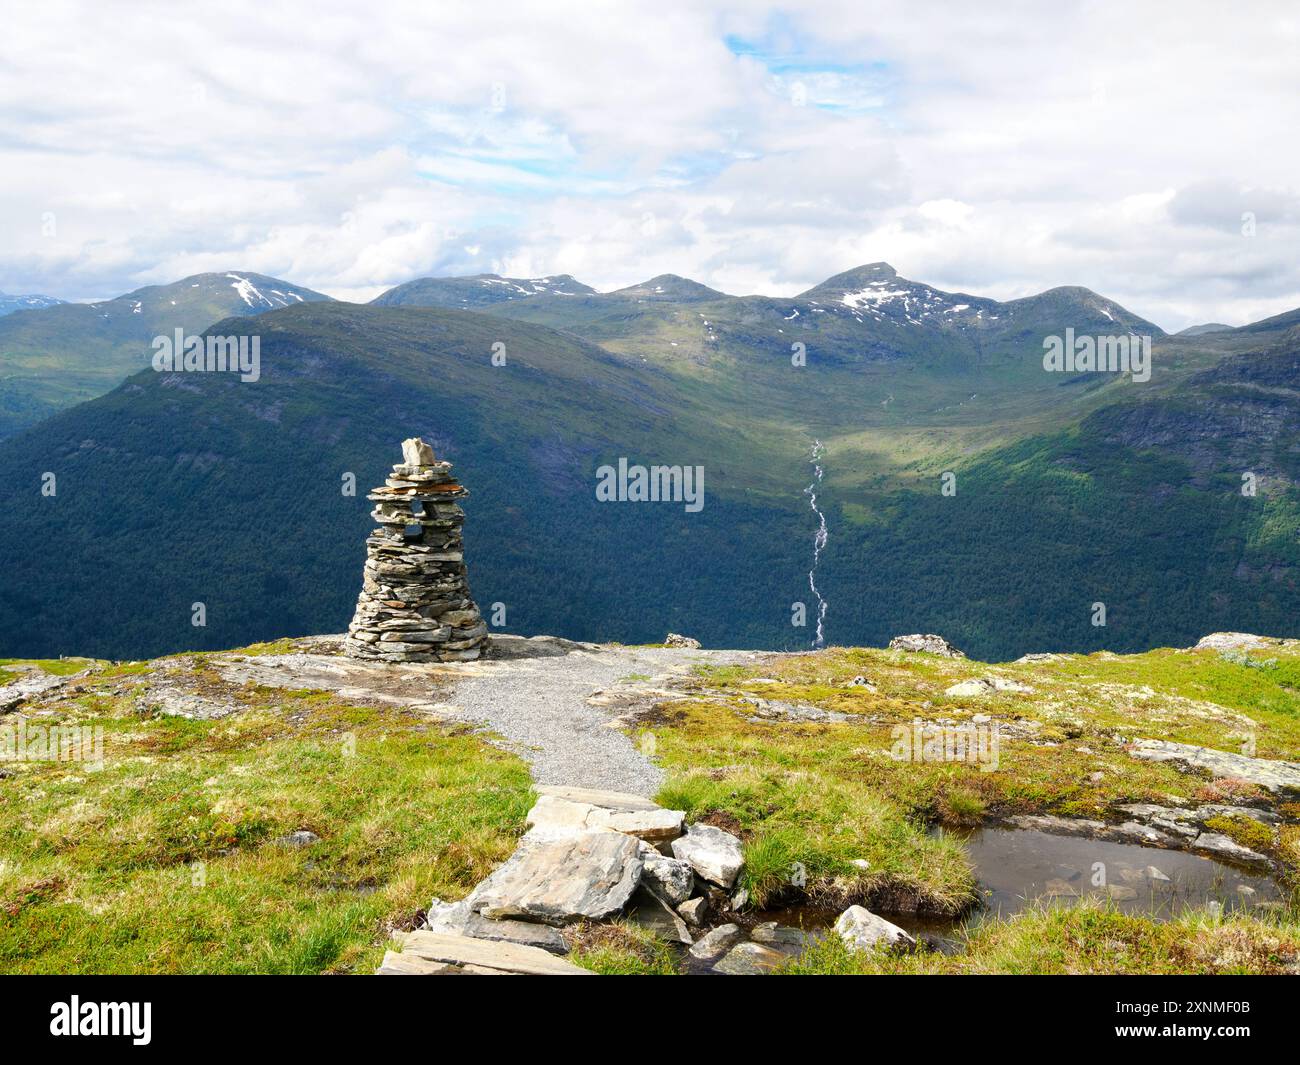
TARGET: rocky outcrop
(927,642)
(674,639)
(34,682)
(415,604)
(1234,641)
(990,685)
(1267,773)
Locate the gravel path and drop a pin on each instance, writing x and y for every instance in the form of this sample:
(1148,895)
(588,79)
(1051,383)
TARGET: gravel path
(532,692)
(540,705)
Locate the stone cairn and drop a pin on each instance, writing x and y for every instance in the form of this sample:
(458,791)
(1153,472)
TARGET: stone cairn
(415,604)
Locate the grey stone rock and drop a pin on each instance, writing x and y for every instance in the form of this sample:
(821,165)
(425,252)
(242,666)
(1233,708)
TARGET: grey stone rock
(1220,809)
(674,639)
(173,702)
(301,838)
(713,854)
(555,815)
(970,688)
(427,953)
(1221,846)
(782,937)
(694,911)
(718,941)
(1267,773)
(669,878)
(926,642)
(416,452)
(860,929)
(750,959)
(650,911)
(33,683)
(589,876)
(456,918)
(1230,641)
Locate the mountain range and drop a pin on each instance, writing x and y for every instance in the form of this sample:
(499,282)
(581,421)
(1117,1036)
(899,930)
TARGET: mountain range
(9,304)
(1066,489)
(56,356)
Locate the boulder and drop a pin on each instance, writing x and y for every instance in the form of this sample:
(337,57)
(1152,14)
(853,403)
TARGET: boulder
(927,642)
(860,929)
(674,639)
(669,878)
(968,688)
(713,854)
(32,683)
(750,959)
(584,877)
(720,940)
(987,686)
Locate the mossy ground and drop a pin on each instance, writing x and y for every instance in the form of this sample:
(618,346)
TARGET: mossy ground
(810,798)
(166,859)
(1084,940)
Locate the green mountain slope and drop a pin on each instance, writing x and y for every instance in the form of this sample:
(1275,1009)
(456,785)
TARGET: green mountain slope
(183,488)
(1071,489)
(473,293)
(56,356)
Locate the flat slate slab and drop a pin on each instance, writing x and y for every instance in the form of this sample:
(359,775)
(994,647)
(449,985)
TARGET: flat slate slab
(583,877)
(1268,773)
(555,815)
(610,800)
(429,953)
(456,918)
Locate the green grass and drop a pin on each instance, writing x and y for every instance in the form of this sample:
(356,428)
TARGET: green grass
(63,667)
(167,859)
(1086,939)
(808,799)
(622,948)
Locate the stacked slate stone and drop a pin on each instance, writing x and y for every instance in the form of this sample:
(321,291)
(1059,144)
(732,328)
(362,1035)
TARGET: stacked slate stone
(415,604)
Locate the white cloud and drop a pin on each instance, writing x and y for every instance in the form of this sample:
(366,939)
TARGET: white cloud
(994,150)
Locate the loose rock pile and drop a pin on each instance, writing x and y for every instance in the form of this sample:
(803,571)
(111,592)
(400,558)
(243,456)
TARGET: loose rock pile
(597,856)
(415,604)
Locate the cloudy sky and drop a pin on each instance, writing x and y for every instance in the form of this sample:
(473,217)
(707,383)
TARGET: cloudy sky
(1145,150)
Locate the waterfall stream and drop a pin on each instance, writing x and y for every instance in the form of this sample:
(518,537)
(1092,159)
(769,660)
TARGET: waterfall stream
(819,542)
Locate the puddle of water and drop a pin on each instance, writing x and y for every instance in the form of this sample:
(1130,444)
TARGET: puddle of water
(1019,869)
